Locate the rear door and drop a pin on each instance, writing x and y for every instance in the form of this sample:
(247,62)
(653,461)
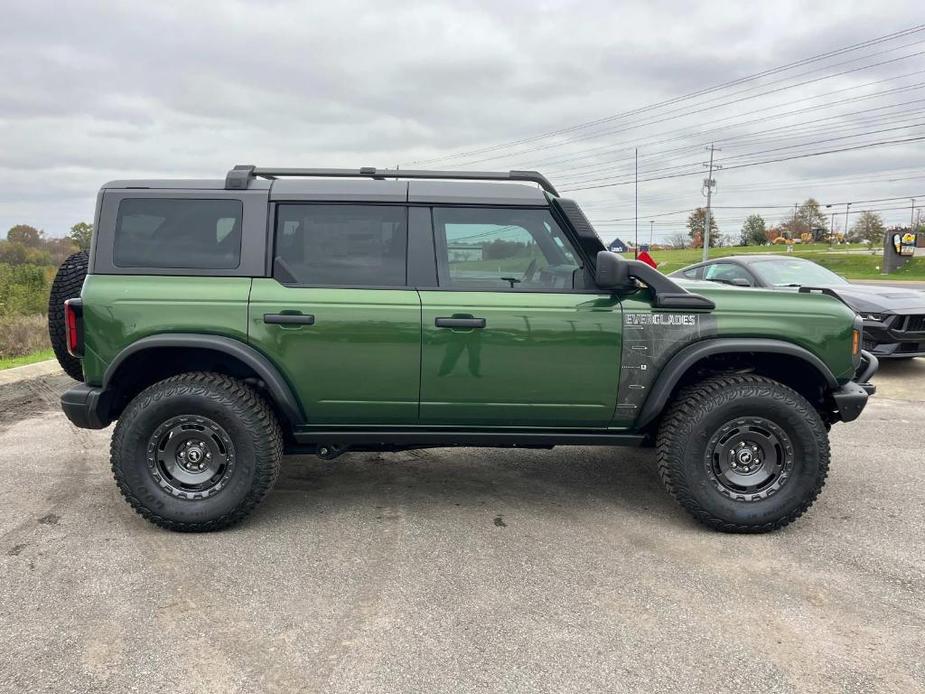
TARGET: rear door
(515,334)
(337,315)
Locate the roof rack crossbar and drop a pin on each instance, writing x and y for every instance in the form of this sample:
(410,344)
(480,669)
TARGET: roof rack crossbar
(242,174)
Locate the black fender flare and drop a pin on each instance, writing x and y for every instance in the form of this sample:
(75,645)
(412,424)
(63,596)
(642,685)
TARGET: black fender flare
(679,364)
(278,387)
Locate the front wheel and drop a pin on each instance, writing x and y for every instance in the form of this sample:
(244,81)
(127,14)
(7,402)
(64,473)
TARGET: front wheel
(743,454)
(196,452)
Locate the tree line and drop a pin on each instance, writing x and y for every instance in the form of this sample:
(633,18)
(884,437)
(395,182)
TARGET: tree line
(26,245)
(28,261)
(806,224)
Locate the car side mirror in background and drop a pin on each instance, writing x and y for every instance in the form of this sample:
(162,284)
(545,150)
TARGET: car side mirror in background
(740,282)
(611,270)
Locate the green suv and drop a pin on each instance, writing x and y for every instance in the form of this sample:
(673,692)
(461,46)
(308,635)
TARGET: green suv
(225,323)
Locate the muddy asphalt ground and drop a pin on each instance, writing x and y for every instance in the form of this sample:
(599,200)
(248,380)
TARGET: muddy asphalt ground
(462,570)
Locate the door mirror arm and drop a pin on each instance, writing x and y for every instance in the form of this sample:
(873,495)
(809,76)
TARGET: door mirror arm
(612,271)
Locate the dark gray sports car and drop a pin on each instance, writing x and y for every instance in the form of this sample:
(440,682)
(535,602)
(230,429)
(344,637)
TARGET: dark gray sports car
(894,318)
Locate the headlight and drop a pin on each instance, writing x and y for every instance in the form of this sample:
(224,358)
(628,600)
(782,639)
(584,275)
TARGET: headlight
(878,317)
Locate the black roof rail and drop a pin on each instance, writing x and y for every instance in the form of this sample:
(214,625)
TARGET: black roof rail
(242,174)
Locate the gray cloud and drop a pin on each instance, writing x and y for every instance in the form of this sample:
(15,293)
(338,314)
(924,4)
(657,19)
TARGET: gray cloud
(102,90)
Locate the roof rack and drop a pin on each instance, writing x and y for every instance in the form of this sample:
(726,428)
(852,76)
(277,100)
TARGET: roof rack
(240,176)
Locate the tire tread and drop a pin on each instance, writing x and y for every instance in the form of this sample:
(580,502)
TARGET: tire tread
(67,285)
(256,416)
(678,423)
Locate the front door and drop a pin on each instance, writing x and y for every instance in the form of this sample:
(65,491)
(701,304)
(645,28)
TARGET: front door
(337,316)
(515,335)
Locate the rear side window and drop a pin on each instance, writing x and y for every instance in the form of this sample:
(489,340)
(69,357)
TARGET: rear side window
(178,233)
(341,245)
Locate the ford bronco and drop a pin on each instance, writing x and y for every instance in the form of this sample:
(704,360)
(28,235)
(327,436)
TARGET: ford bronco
(225,323)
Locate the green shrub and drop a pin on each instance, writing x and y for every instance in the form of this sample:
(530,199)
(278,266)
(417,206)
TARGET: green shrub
(23,290)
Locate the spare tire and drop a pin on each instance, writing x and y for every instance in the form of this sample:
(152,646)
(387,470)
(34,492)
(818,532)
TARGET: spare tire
(67,285)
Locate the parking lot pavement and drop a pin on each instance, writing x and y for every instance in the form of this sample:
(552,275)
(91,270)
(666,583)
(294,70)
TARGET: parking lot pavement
(461,570)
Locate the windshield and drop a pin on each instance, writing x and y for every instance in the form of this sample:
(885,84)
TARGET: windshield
(784,272)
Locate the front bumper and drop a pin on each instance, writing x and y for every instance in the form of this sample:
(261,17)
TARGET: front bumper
(87,407)
(851,398)
(895,336)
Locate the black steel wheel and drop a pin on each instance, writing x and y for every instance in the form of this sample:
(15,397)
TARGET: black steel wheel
(191,456)
(749,458)
(743,453)
(196,452)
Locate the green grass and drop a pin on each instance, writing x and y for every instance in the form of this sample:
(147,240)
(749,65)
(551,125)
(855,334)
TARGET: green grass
(854,265)
(10,362)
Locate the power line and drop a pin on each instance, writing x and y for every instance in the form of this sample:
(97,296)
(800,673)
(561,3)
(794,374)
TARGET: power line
(772,206)
(682,98)
(686,131)
(592,174)
(685,112)
(767,161)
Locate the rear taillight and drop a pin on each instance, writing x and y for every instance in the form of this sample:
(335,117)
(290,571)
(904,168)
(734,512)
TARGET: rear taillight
(73,315)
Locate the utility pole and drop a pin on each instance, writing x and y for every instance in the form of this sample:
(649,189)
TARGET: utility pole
(708,185)
(636,194)
(912,218)
(847,206)
(651,232)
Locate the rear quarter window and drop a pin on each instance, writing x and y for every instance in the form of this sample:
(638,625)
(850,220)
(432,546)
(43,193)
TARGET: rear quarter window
(341,245)
(178,233)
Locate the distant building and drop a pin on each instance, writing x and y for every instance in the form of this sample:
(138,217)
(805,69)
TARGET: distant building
(617,246)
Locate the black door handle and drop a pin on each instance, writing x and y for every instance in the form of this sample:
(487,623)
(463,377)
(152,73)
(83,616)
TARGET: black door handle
(289,318)
(459,322)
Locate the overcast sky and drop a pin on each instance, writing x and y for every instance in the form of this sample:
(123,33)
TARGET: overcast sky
(100,90)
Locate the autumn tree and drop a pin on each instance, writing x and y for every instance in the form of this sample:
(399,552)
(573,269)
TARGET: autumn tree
(806,218)
(80,234)
(811,215)
(868,227)
(25,235)
(695,225)
(754,231)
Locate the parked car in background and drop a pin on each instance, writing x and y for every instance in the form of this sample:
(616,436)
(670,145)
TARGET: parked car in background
(894,318)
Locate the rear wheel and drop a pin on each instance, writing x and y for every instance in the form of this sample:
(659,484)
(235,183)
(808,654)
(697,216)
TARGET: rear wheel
(196,452)
(743,453)
(67,285)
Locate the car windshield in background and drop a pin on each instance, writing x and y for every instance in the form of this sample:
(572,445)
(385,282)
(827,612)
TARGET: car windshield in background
(794,272)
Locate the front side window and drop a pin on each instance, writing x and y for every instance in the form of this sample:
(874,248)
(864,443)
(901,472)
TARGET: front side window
(498,248)
(728,273)
(341,245)
(178,233)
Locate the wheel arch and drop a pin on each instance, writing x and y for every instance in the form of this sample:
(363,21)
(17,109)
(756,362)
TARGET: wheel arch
(788,363)
(155,357)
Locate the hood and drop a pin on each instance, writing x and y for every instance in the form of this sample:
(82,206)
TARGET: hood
(873,299)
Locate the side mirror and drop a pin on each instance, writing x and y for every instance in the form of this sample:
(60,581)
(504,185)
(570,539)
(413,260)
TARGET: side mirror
(611,270)
(740,282)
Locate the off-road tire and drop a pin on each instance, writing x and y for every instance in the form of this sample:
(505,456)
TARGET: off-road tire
(67,284)
(236,408)
(693,421)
